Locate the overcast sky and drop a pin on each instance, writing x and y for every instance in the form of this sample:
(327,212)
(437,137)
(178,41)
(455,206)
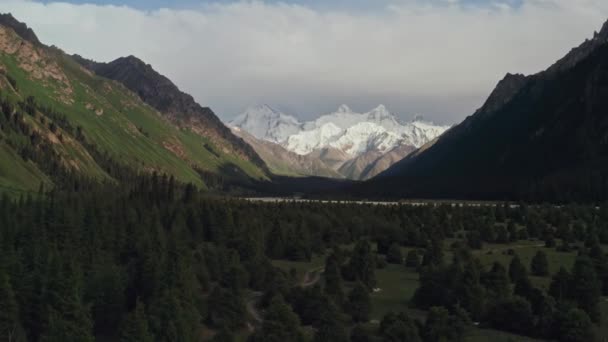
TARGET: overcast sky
(438,58)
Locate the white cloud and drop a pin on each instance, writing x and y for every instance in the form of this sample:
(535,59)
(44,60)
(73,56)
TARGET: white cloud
(439,59)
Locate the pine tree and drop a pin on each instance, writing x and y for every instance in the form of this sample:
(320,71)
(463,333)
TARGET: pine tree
(10,324)
(330,327)
(412,260)
(363,264)
(574,326)
(517,270)
(69,318)
(359,303)
(334,287)
(560,285)
(497,281)
(586,288)
(393,255)
(399,327)
(539,264)
(135,326)
(280,323)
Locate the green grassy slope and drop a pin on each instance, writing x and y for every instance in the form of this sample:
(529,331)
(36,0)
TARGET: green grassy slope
(18,176)
(114,119)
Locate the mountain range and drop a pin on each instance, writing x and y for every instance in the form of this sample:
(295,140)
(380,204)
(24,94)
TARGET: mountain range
(65,119)
(348,144)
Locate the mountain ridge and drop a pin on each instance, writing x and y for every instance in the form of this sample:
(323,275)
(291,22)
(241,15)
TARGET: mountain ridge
(536,137)
(162,94)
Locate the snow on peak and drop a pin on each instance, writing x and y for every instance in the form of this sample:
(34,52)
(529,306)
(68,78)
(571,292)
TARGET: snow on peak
(264,122)
(380,112)
(351,132)
(344,109)
(307,141)
(366,136)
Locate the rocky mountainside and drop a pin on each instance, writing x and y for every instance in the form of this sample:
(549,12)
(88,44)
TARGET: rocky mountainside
(7,20)
(287,163)
(58,117)
(181,108)
(345,141)
(540,137)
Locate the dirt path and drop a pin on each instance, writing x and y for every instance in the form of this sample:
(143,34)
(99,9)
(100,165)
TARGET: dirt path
(312,277)
(251,305)
(507,247)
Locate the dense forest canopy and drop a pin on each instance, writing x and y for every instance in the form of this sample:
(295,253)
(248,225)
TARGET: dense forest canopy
(156,260)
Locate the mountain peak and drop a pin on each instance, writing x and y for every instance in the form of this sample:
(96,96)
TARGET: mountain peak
(419,118)
(380,112)
(603,34)
(344,109)
(263,122)
(260,108)
(20,28)
(504,92)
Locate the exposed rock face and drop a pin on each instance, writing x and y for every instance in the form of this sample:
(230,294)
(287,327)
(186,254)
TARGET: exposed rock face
(385,161)
(579,53)
(282,161)
(26,33)
(160,93)
(504,91)
(35,61)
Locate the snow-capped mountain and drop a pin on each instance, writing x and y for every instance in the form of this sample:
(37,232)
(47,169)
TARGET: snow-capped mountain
(358,133)
(352,135)
(345,118)
(268,124)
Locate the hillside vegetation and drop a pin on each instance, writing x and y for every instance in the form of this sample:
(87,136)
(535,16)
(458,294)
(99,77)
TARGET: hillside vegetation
(71,111)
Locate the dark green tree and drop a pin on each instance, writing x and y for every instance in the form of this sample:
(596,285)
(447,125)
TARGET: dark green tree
(394,255)
(135,326)
(574,325)
(512,314)
(331,326)
(363,264)
(334,287)
(497,281)
(228,309)
(560,285)
(398,328)
(586,288)
(361,334)
(10,324)
(474,239)
(539,264)
(359,303)
(412,259)
(280,323)
(517,270)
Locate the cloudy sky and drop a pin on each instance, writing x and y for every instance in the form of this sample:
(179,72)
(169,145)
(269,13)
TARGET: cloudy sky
(438,58)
